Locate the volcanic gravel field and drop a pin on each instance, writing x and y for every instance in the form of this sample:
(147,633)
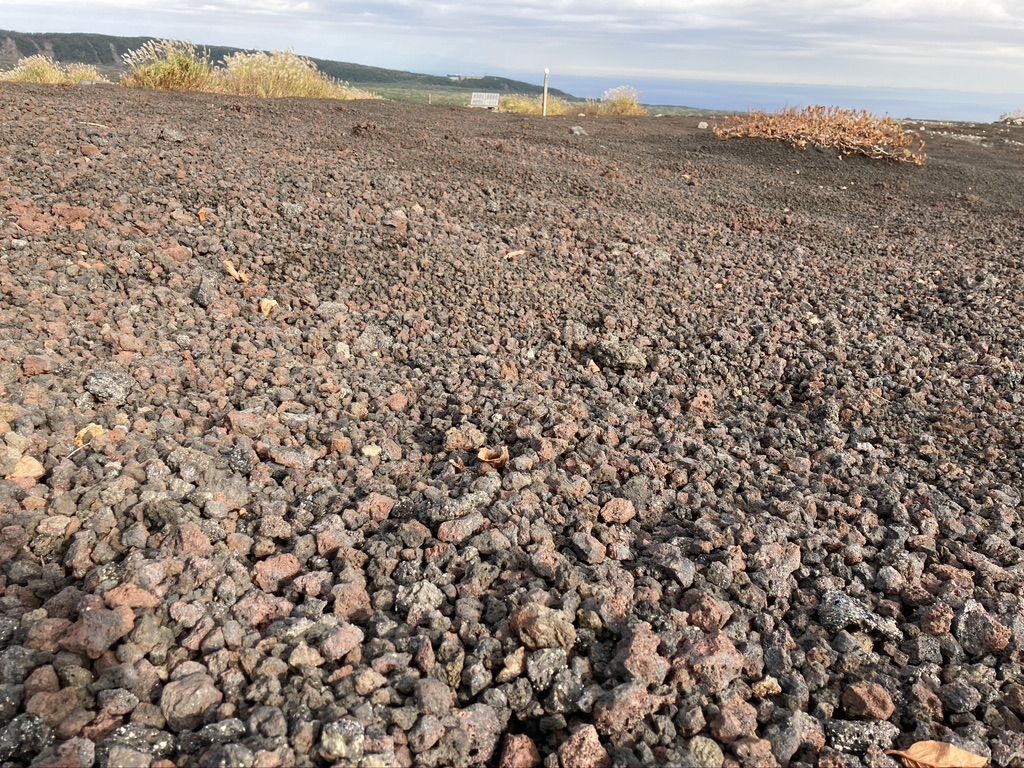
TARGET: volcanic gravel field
(561,447)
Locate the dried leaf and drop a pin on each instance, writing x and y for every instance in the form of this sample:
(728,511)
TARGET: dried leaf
(938,754)
(202,215)
(241,277)
(267,306)
(459,464)
(496,459)
(594,367)
(87,433)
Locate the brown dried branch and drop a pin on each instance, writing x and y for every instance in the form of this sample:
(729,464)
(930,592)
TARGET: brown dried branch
(848,132)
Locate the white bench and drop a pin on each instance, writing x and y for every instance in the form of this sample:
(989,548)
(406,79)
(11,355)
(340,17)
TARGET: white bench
(485,100)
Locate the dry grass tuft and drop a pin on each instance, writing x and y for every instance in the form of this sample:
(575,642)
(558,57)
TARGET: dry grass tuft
(848,132)
(534,105)
(623,101)
(279,75)
(79,72)
(42,70)
(168,65)
(173,65)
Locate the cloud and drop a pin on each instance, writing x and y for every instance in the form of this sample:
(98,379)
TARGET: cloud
(967,44)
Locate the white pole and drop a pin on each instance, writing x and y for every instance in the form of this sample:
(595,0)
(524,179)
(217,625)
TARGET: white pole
(544,103)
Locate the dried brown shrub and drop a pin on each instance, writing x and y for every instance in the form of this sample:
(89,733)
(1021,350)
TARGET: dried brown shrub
(848,132)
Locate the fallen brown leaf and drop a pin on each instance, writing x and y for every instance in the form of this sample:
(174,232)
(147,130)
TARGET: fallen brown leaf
(87,433)
(938,754)
(241,277)
(267,306)
(496,459)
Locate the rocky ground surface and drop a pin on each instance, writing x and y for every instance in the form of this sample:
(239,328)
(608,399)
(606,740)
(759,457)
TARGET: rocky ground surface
(375,435)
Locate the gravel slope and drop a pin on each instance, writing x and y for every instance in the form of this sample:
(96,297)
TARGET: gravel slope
(751,420)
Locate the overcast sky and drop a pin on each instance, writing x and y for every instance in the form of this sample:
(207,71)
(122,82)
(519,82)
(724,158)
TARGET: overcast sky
(964,45)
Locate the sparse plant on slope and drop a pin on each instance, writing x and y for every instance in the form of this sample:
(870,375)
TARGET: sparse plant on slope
(516,104)
(167,65)
(78,72)
(623,101)
(39,70)
(278,75)
(534,105)
(173,65)
(848,132)
(42,70)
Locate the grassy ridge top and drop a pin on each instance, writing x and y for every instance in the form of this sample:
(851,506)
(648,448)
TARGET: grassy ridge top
(105,52)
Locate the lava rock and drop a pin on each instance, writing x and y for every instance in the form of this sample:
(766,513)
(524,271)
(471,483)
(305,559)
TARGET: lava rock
(110,384)
(185,701)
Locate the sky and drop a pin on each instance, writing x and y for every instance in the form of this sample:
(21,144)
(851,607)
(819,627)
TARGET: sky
(972,50)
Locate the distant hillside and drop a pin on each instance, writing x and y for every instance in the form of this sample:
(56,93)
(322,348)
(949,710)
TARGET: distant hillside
(105,52)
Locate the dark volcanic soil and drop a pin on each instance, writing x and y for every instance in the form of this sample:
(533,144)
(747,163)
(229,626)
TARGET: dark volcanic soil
(631,447)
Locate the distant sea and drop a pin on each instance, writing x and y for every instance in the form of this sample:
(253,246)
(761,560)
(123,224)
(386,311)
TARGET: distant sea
(742,97)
